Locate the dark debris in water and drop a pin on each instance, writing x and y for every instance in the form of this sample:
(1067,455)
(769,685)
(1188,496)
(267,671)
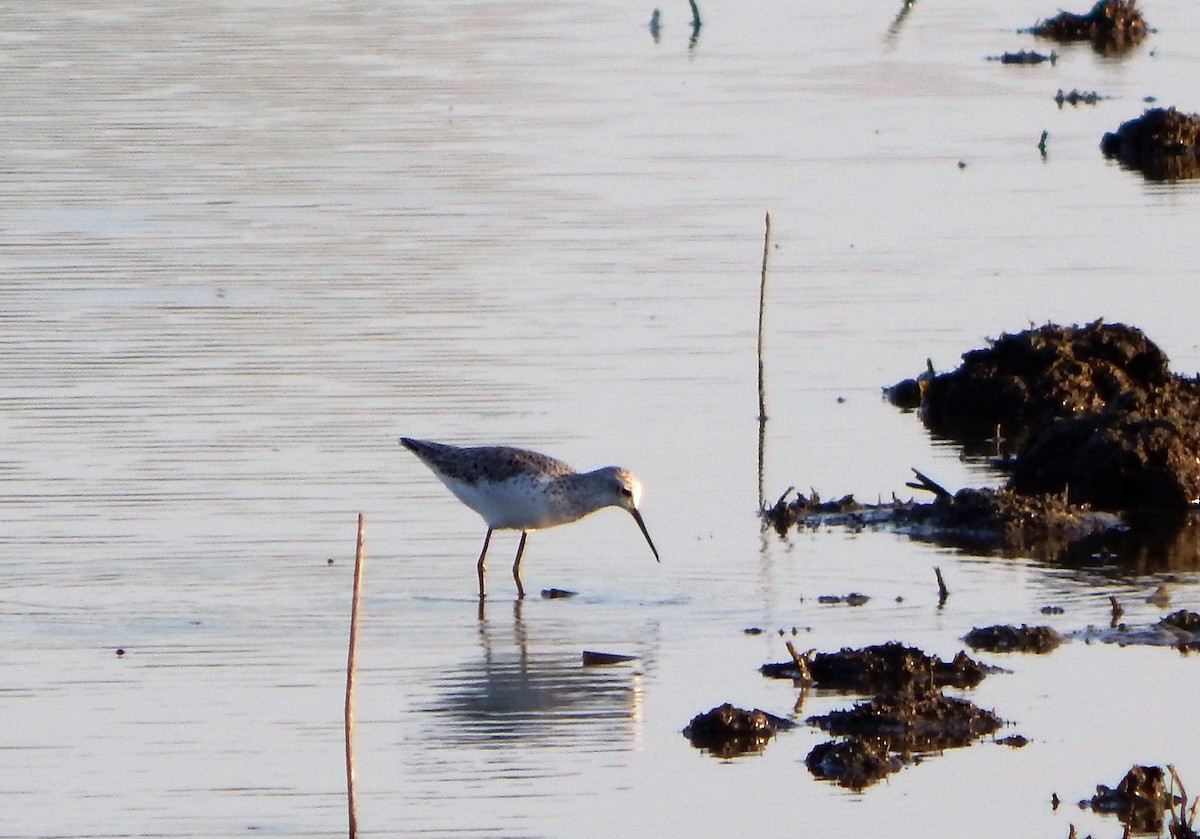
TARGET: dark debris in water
(1013,741)
(1180,629)
(1112,26)
(983,518)
(1003,638)
(592,658)
(1077,97)
(1024,57)
(727,731)
(1163,144)
(851,599)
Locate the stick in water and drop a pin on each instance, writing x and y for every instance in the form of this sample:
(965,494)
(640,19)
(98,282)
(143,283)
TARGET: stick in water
(762,392)
(358,561)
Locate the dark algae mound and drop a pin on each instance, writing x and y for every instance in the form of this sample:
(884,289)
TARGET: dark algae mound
(1162,143)
(1111,26)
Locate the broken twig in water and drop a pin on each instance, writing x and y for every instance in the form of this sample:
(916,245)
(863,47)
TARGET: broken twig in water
(943,592)
(801,662)
(358,562)
(1183,822)
(1117,611)
(695,25)
(930,485)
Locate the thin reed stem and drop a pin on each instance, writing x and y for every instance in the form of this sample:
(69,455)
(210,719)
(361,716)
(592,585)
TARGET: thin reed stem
(350,662)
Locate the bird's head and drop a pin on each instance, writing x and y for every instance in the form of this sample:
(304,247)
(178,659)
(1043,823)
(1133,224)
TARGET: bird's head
(627,494)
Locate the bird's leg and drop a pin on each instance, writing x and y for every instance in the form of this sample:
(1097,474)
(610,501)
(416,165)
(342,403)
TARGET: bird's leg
(517,565)
(482,554)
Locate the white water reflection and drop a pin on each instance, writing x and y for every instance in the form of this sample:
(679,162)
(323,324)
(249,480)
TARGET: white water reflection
(515,695)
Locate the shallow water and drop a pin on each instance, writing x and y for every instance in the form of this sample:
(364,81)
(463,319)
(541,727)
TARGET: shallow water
(244,247)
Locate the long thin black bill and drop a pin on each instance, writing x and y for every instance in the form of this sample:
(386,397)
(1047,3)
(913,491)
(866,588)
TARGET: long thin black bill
(638,518)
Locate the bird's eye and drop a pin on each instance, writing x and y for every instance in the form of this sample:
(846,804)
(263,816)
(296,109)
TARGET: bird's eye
(627,492)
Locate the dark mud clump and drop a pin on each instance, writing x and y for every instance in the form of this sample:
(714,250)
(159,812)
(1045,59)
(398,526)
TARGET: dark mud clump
(890,667)
(855,763)
(1139,453)
(727,731)
(1013,639)
(1161,143)
(1112,26)
(1183,620)
(909,715)
(1140,800)
(1103,421)
(1028,379)
(913,721)
(880,668)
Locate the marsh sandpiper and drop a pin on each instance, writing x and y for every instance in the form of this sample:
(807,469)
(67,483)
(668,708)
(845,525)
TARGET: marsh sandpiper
(517,489)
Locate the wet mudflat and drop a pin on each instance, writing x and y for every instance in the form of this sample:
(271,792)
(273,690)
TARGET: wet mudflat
(246,247)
